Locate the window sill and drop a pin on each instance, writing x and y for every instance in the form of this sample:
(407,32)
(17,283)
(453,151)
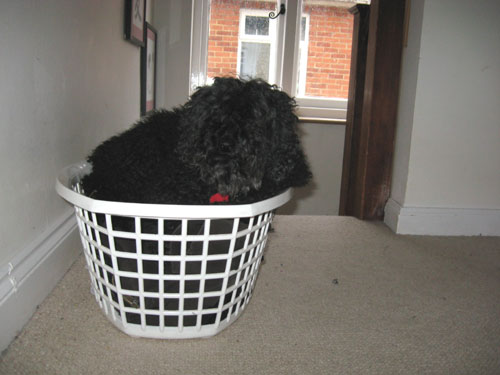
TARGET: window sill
(321,120)
(319,110)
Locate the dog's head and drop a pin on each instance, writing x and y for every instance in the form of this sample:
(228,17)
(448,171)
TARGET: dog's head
(239,133)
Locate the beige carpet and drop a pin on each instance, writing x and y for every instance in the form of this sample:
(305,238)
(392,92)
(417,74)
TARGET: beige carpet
(335,296)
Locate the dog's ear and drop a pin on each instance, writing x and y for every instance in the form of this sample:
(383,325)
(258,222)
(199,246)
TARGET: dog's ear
(289,166)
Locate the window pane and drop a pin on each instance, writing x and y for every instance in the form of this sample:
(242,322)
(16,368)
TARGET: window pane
(242,39)
(256,25)
(325,49)
(303,23)
(255,60)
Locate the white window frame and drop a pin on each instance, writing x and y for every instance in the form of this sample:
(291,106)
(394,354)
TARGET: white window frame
(303,52)
(308,108)
(332,110)
(198,62)
(268,39)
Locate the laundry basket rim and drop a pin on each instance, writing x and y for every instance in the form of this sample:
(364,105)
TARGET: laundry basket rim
(71,173)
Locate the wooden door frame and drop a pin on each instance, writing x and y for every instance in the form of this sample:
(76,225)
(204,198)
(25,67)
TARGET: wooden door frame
(372,108)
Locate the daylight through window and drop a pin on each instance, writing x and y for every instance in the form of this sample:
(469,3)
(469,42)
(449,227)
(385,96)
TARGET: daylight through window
(243,41)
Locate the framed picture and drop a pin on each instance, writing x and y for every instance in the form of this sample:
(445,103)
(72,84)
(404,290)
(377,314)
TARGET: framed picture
(148,71)
(135,20)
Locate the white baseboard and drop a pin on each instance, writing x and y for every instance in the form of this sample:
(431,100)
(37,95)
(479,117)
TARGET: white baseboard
(31,275)
(442,221)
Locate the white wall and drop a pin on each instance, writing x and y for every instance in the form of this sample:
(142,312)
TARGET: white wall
(324,147)
(406,106)
(68,81)
(172,19)
(448,142)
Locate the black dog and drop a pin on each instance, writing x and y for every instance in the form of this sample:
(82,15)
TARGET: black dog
(234,141)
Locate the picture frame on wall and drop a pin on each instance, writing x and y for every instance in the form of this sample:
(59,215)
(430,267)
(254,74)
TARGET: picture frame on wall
(148,71)
(135,21)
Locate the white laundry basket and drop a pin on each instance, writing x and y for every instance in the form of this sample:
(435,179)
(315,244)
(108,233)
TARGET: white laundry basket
(170,271)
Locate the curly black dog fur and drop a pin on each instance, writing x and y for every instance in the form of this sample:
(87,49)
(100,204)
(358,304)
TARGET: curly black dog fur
(235,137)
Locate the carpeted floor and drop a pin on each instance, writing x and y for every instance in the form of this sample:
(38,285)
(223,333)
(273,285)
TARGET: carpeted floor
(335,296)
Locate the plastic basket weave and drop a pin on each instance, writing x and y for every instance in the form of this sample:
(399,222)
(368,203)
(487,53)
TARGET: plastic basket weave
(170,271)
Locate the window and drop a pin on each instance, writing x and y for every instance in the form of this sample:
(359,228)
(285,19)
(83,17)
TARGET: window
(256,45)
(241,41)
(306,51)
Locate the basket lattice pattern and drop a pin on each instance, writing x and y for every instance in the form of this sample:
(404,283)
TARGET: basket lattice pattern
(172,277)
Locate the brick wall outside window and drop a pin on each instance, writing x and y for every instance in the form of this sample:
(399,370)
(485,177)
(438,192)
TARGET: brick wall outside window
(329,54)
(223,38)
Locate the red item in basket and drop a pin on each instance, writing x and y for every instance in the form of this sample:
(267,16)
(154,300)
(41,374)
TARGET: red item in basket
(218,198)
